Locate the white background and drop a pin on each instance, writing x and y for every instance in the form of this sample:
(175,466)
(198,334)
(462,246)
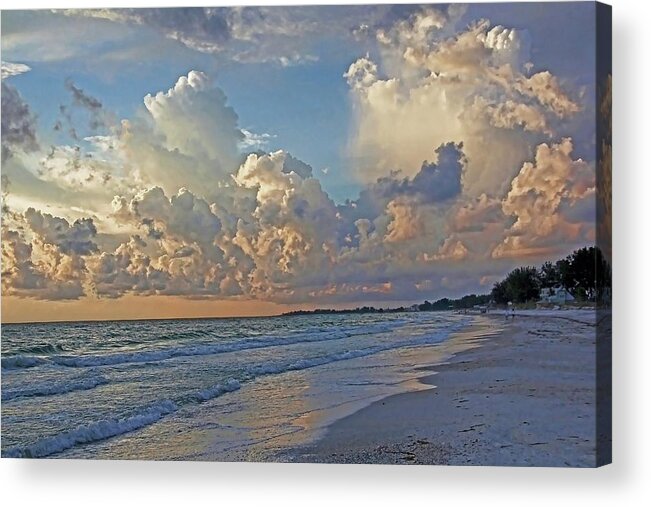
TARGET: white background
(627,481)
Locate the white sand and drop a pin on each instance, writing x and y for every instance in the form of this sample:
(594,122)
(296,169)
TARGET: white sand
(526,396)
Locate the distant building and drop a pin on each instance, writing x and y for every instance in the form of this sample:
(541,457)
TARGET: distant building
(555,295)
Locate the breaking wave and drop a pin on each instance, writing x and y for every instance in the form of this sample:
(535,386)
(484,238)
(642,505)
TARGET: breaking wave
(81,361)
(76,384)
(108,428)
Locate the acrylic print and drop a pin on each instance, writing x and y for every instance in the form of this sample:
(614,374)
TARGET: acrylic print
(338,234)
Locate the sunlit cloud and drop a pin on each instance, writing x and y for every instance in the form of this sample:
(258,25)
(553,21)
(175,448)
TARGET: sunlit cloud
(465,156)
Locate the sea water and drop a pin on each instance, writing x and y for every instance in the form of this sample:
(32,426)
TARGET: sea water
(221,389)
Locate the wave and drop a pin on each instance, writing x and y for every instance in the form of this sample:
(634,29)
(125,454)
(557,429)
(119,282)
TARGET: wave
(302,364)
(218,390)
(82,361)
(108,428)
(44,348)
(99,430)
(76,384)
(21,361)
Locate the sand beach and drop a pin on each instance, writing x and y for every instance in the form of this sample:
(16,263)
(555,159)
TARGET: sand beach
(519,392)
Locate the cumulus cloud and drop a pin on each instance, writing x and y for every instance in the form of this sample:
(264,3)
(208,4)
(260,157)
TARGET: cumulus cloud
(294,223)
(193,104)
(48,278)
(538,194)
(190,120)
(127,270)
(183,216)
(430,88)
(456,145)
(46,259)
(292,164)
(436,181)
(187,137)
(74,238)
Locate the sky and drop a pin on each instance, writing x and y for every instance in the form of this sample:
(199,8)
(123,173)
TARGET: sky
(250,160)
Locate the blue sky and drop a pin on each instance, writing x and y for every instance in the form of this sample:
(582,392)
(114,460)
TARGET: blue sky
(364,98)
(300,105)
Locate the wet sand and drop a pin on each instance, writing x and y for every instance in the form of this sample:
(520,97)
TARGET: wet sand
(519,393)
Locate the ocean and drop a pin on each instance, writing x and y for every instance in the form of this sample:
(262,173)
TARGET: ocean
(203,389)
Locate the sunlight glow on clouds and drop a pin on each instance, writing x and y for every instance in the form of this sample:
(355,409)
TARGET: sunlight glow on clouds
(464,154)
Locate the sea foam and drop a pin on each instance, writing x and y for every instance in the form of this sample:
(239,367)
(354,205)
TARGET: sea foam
(93,432)
(76,384)
(107,428)
(82,361)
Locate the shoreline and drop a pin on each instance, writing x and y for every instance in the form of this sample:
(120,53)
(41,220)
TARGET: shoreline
(523,396)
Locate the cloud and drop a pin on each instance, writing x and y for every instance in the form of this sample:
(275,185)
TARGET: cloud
(183,216)
(292,164)
(430,87)
(180,205)
(293,226)
(510,115)
(81,98)
(194,106)
(49,278)
(13,69)
(46,261)
(246,34)
(97,115)
(187,137)
(127,270)
(18,124)
(203,29)
(88,171)
(546,89)
(540,198)
(253,141)
(434,182)
(76,238)
(420,28)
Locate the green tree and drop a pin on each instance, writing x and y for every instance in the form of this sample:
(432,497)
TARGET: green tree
(499,293)
(519,286)
(550,275)
(587,273)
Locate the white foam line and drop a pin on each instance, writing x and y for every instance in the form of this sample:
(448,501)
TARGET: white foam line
(22,361)
(107,428)
(76,384)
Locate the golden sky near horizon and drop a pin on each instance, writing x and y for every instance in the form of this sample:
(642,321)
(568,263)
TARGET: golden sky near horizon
(15,310)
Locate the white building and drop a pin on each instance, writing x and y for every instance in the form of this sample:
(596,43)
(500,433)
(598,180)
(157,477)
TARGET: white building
(555,295)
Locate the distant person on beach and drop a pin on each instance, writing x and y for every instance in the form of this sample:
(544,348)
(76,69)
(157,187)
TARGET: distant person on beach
(513,312)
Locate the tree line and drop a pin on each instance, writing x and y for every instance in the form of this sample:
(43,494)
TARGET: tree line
(585,273)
